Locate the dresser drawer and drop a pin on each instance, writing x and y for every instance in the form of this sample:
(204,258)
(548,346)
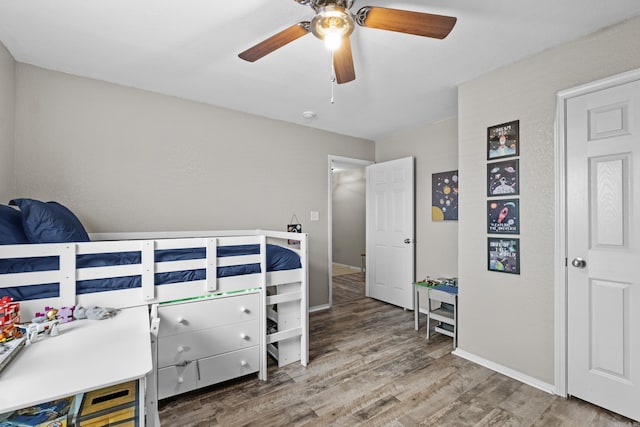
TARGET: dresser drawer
(176,349)
(227,366)
(201,314)
(174,380)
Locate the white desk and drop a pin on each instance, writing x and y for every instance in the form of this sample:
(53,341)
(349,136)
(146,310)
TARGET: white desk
(439,293)
(86,355)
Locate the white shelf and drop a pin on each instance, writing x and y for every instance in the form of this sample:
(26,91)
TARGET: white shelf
(439,314)
(444,331)
(442,315)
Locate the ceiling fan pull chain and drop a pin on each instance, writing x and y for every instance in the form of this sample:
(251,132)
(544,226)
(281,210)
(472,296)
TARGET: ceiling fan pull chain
(333,77)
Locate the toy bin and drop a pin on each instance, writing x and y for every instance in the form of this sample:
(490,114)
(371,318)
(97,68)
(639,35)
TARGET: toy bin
(114,405)
(49,414)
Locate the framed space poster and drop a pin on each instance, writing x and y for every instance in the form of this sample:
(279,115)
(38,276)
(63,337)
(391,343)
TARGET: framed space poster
(503,216)
(503,178)
(503,255)
(503,140)
(444,196)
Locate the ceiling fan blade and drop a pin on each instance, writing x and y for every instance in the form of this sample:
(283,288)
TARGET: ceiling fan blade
(343,62)
(276,41)
(404,21)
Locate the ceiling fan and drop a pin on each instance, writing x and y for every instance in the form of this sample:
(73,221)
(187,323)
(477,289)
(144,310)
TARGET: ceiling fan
(333,22)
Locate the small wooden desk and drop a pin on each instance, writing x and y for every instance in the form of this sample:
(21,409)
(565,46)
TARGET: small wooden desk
(86,355)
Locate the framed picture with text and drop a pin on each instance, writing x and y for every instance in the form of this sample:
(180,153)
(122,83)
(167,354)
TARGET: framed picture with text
(503,255)
(503,140)
(503,216)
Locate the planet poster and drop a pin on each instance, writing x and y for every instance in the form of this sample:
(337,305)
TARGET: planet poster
(503,255)
(503,178)
(503,140)
(503,216)
(444,196)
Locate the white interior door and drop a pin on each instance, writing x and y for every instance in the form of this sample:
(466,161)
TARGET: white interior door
(390,231)
(603,247)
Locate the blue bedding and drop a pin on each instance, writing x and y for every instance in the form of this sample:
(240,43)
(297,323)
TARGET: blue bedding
(278,258)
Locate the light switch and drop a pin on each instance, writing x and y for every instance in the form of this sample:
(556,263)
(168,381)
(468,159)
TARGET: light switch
(315,216)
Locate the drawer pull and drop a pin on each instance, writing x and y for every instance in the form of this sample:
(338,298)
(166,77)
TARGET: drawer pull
(244,309)
(180,349)
(181,320)
(244,336)
(180,380)
(244,363)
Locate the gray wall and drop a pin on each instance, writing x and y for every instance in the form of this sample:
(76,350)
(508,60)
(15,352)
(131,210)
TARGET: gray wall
(505,318)
(7,105)
(348,224)
(435,148)
(128,160)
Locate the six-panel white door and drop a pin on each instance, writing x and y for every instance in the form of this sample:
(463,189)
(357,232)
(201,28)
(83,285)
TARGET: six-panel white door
(390,231)
(603,247)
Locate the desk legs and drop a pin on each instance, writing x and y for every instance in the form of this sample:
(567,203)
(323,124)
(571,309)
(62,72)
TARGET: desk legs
(416,306)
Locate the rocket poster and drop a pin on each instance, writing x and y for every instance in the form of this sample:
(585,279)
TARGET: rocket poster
(503,216)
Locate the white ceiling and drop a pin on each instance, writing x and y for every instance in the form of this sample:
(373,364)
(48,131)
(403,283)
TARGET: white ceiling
(188,48)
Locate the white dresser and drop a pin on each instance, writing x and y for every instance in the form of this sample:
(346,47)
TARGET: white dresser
(206,341)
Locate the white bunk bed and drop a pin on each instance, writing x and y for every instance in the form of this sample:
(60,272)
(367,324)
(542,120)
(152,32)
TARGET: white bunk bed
(280,296)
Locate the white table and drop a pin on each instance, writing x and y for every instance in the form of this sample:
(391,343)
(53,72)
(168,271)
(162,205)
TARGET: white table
(86,355)
(439,293)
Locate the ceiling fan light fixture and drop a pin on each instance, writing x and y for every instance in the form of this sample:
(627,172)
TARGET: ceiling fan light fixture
(331,24)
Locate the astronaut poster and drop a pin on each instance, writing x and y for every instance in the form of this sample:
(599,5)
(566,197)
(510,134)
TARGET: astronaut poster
(503,178)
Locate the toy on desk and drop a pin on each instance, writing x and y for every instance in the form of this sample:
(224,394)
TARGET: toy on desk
(9,319)
(63,314)
(11,341)
(94,313)
(429,282)
(41,326)
(47,323)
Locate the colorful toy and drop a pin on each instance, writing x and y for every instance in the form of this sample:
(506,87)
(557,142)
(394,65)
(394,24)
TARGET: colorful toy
(64,314)
(44,327)
(9,319)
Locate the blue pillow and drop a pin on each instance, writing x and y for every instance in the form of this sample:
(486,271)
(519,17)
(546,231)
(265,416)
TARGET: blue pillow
(11,231)
(49,222)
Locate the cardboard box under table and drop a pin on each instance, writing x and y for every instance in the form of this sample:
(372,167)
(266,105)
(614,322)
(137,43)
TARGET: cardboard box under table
(117,404)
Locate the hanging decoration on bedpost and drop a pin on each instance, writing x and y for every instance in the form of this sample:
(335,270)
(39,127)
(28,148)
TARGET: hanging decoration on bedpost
(294,226)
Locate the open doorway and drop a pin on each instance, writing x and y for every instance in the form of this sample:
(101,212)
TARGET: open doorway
(347,214)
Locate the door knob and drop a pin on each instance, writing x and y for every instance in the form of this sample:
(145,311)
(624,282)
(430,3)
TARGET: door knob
(579,263)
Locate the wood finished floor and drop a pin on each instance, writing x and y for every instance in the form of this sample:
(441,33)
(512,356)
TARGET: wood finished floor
(369,367)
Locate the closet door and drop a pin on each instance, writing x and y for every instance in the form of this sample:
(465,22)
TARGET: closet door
(603,246)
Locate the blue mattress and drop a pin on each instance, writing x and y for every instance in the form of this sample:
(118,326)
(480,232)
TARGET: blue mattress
(278,258)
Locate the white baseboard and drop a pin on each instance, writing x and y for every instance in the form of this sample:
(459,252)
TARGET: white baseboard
(523,378)
(319,307)
(350,267)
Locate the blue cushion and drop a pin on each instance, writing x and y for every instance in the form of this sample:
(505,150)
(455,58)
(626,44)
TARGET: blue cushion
(11,231)
(49,222)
